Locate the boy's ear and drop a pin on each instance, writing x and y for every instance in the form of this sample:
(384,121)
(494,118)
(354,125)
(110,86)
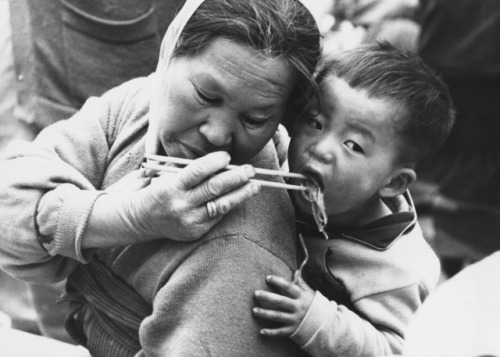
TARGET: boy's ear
(398,182)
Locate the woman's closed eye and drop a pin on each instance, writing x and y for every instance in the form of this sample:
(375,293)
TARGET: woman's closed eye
(352,145)
(253,122)
(206,98)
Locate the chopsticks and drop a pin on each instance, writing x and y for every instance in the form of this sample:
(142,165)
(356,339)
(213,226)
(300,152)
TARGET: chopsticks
(181,161)
(260,171)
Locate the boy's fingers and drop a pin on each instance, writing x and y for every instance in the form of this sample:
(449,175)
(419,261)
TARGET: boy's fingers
(297,278)
(286,287)
(273,315)
(282,331)
(277,301)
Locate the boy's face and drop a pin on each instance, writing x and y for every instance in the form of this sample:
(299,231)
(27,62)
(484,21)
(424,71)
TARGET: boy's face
(350,149)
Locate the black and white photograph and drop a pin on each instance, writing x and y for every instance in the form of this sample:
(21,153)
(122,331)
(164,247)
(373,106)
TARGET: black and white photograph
(249,178)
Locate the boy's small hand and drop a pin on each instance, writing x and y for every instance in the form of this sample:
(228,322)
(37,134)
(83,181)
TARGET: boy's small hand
(287,306)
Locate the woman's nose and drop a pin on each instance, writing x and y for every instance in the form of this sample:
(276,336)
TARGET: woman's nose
(218,129)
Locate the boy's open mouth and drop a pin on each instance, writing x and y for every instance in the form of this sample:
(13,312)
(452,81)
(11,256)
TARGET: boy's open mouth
(314,177)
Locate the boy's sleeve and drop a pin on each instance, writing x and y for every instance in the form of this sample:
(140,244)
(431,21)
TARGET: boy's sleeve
(47,189)
(329,329)
(205,308)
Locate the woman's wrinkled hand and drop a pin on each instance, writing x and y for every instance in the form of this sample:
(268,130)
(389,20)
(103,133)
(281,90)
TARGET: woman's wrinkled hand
(183,206)
(287,305)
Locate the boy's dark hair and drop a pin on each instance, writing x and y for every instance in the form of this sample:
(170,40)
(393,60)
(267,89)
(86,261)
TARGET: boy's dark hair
(386,72)
(276,28)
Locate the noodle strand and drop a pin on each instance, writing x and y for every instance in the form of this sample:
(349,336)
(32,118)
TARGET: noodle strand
(314,195)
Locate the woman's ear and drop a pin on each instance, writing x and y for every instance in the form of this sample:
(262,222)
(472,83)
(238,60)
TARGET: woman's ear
(398,183)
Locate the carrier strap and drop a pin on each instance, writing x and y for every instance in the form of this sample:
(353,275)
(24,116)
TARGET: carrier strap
(114,305)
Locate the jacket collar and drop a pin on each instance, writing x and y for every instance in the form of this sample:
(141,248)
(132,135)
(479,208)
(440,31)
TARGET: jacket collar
(379,234)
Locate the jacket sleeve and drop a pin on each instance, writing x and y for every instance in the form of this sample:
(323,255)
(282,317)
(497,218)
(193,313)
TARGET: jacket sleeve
(205,307)
(329,329)
(47,189)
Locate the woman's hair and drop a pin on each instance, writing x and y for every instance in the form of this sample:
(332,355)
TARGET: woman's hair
(402,77)
(274,27)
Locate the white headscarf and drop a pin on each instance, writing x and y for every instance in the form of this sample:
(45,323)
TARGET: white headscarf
(166,51)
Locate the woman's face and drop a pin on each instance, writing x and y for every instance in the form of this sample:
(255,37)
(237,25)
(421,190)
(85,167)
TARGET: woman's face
(228,97)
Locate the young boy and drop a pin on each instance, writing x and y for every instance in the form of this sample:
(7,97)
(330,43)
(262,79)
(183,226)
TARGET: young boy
(380,112)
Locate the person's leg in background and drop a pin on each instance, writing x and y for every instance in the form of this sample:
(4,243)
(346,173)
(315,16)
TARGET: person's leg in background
(16,299)
(10,127)
(51,311)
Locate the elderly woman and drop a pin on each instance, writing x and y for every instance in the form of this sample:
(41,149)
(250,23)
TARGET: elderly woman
(229,72)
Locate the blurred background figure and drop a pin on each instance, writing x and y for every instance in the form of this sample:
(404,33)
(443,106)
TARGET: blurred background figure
(364,21)
(9,128)
(55,54)
(458,187)
(68,50)
(15,306)
(462,317)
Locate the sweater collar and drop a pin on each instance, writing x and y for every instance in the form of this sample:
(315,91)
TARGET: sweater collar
(379,234)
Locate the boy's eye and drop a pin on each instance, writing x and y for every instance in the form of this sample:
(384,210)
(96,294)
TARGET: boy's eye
(314,123)
(206,98)
(354,146)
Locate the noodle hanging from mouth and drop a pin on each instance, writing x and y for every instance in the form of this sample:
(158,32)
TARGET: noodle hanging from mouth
(314,195)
